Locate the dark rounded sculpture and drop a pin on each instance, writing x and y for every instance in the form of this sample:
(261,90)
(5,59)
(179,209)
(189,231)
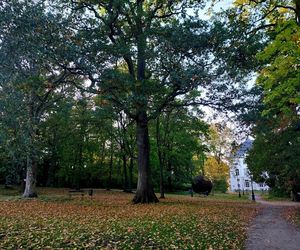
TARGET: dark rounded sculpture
(202,185)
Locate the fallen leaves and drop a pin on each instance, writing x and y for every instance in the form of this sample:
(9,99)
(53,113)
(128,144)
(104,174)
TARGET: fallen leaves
(110,221)
(292,214)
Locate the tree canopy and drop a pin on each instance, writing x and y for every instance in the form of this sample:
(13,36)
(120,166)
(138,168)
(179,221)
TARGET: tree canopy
(111,93)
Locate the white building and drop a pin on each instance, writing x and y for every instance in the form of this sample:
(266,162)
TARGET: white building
(240,178)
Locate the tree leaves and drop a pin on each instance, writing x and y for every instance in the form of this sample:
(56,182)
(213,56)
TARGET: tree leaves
(109,221)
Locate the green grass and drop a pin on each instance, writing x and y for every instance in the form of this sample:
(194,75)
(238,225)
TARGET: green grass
(271,197)
(214,196)
(111,221)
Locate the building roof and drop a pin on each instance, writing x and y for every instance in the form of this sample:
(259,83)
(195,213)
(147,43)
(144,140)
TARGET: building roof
(244,148)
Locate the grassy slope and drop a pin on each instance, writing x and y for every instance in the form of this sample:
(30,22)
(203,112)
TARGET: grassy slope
(111,221)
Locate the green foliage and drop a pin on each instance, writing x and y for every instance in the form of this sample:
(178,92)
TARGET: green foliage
(81,73)
(274,156)
(221,185)
(280,77)
(180,133)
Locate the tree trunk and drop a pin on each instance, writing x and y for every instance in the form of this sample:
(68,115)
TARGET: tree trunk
(52,169)
(31,168)
(30,185)
(130,180)
(125,186)
(170,185)
(297,5)
(110,168)
(160,160)
(144,192)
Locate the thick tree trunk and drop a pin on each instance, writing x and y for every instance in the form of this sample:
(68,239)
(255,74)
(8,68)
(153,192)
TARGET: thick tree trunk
(30,185)
(31,168)
(297,5)
(144,192)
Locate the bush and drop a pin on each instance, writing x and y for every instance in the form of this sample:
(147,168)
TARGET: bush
(221,185)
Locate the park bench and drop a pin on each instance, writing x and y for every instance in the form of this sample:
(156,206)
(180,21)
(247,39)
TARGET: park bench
(75,192)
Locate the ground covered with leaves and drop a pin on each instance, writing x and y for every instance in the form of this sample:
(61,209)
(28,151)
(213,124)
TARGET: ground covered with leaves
(110,221)
(292,214)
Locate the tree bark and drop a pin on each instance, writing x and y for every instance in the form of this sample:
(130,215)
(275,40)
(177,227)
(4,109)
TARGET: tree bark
(30,185)
(297,5)
(31,168)
(144,192)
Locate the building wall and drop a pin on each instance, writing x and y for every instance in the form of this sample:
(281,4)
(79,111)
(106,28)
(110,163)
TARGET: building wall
(240,178)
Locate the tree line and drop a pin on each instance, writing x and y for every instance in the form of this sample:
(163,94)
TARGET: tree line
(87,88)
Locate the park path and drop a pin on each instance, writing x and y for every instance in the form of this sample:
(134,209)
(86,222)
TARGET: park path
(269,230)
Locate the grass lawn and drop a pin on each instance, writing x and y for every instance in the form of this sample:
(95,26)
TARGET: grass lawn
(110,221)
(270,197)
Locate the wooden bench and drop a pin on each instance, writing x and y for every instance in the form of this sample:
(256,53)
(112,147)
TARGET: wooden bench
(80,192)
(76,192)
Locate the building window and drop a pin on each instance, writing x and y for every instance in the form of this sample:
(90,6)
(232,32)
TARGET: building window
(247,183)
(237,173)
(261,184)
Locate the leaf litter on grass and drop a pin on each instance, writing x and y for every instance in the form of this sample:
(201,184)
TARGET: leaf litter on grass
(110,221)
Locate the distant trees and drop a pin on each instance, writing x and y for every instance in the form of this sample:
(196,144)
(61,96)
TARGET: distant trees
(218,173)
(99,82)
(276,117)
(216,164)
(178,134)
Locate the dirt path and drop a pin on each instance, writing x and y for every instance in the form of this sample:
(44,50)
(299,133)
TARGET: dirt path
(270,231)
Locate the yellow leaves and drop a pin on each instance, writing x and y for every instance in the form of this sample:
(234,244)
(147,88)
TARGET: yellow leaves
(239,2)
(216,170)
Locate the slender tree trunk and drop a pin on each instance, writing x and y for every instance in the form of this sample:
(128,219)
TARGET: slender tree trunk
(130,180)
(125,186)
(170,185)
(110,169)
(52,168)
(144,192)
(160,160)
(79,167)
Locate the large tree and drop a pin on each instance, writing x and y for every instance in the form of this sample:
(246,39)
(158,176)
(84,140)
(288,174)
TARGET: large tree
(141,55)
(29,73)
